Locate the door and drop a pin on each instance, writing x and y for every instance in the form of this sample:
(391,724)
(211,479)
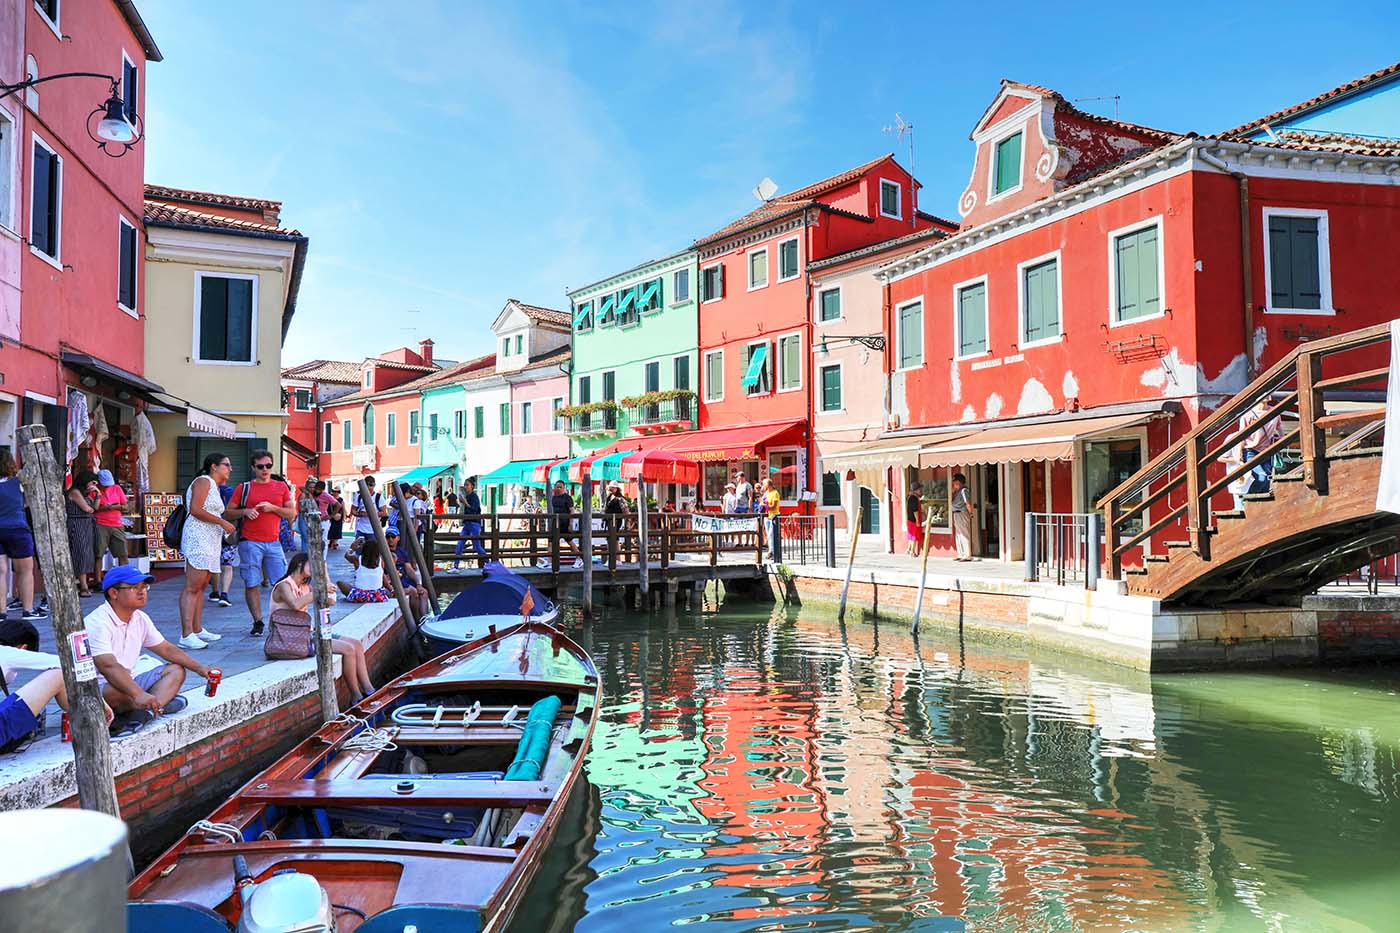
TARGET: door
(1033,484)
(988,495)
(681,366)
(652,413)
(870,517)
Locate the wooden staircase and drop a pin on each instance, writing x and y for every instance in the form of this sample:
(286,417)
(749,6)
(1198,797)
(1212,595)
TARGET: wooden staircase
(1317,522)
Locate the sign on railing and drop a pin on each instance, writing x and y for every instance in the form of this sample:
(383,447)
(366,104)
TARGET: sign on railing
(715,524)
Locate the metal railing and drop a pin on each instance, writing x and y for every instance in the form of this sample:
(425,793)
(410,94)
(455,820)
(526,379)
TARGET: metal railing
(1378,573)
(807,540)
(1064,547)
(675,412)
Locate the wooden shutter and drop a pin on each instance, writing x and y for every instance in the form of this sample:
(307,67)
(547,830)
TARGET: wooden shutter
(346,440)
(213,318)
(714,375)
(240,319)
(1008,163)
(831,388)
(1041,302)
(680,372)
(972,320)
(792,362)
(367,416)
(41,206)
(1307,273)
(129,91)
(185,463)
(831,304)
(1138,291)
(126,274)
(911,351)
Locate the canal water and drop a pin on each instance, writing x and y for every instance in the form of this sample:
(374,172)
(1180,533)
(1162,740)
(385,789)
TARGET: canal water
(776,770)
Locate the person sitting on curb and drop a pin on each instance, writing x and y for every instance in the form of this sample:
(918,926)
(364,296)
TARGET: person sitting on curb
(413,587)
(20,710)
(117,631)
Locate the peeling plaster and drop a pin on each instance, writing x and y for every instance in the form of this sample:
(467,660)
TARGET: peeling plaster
(1035,399)
(1070,386)
(994,404)
(955,381)
(969,414)
(1261,341)
(1230,380)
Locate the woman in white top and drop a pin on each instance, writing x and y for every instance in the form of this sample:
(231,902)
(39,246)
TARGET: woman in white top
(368,586)
(294,592)
(201,541)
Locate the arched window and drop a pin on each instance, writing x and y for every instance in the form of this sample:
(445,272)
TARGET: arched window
(369,423)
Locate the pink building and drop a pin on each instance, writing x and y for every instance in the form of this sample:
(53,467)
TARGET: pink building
(536,393)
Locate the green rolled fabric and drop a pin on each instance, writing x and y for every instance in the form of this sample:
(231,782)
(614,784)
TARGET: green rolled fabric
(534,742)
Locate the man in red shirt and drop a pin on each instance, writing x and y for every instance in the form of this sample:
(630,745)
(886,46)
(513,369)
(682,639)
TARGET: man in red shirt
(260,506)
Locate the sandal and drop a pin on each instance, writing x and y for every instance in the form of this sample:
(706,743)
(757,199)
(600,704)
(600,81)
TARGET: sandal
(130,724)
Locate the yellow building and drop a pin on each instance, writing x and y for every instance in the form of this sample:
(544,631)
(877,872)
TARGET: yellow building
(221,283)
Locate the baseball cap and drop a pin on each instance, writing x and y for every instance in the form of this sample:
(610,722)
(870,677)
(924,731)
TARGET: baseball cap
(124,574)
(105,478)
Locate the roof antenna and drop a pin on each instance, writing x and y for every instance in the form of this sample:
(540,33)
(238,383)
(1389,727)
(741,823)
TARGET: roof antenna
(765,190)
(1113,97)
(900,128)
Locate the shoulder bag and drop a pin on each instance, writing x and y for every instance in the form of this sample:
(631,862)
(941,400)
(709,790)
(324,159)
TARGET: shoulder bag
(288,636)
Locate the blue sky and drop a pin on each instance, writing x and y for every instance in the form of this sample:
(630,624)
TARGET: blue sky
(446,161)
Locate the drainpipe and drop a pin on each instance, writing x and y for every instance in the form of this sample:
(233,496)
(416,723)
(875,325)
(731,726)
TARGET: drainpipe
(1246,257)
(809,367)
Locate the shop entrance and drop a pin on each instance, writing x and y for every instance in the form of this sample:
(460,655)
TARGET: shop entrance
(191,451)
(986,493)
(870,517)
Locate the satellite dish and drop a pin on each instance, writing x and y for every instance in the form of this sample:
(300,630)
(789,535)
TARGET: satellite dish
(765,190)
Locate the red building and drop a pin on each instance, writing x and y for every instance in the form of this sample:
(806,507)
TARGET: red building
(80,212)
(304,389)
(1098,298)
(755,329)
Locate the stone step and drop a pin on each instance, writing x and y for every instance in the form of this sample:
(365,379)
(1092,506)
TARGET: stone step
(1231,515)
(1288,477)
(1157,558)
(1136,571)
(1178,544)
(1258,497)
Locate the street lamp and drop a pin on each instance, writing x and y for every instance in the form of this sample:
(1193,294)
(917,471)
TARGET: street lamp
(869,341)
(113,129)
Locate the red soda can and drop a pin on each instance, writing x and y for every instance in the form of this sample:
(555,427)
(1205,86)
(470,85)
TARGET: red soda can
(211,683)
(67,729)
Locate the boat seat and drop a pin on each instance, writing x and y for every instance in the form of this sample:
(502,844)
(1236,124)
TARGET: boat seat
(428,918)
(426,791)
(181,917)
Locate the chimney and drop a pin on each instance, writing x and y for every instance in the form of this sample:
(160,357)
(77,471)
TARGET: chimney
(425,351)
(272,213)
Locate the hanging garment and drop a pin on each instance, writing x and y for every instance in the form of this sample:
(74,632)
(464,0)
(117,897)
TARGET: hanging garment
(78,423)
(99,435)
(145,437)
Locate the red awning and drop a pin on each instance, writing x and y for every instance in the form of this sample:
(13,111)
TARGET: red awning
(737,443)
(660,466)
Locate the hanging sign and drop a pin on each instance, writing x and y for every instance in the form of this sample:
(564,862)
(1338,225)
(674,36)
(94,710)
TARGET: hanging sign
(84,668)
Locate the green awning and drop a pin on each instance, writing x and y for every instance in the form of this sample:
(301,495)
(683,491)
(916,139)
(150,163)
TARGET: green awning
(755,370)
(608,467)
(424,473)
(514,473)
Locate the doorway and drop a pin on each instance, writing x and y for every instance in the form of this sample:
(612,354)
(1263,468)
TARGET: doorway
(987,492)
(870,515)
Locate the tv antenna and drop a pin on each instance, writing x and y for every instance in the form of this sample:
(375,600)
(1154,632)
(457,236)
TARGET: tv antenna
(1113,97)
(765,190)
(899,129)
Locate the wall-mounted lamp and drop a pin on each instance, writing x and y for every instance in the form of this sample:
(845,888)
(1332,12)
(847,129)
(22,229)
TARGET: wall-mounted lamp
(869,341)
(112,125)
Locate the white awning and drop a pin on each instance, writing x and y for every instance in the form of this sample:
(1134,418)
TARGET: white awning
(197,419)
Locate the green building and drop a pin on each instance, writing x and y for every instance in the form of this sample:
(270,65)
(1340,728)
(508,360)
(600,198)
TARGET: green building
(636,336)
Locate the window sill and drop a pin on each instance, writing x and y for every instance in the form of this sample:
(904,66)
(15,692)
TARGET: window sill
(758,288)
(1311,312)
(56,263)
(790,278)
(835,320)
(1136,320)
(203,362)
(905,369)
(973,356)
(892,216)
(135,315)
(1048,341)
(831,411)
(789,390)
(992,197)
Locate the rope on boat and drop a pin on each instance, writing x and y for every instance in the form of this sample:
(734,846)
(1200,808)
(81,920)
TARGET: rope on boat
(369,739)
(226,831)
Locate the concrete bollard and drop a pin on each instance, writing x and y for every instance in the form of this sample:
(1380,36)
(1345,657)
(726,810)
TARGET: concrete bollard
(62,871)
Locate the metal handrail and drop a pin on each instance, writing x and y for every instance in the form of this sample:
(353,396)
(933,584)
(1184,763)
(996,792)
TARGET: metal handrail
(1064,547)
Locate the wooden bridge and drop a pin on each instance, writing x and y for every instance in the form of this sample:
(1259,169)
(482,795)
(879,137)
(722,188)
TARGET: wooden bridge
(1318,521)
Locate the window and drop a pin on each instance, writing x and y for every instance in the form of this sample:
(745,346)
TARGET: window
(556,423)
(519,344)
(327,436)
(782,469)
(301,400)
(459,423)
(479,421)
(606,304)
(1006,165)
(972,318)
(1040,302)
(126,265)
(680,285)
(715,475)
(829,304)
(758,377)
(910,335)
(680,379)
(758,268)
(8,141)
(369,377)
(787,260)
(391,429)
(505,346)
(129,90)
(226,319)
(790,362)
(432,426)
(1297,261)
(367,423)
(583,317)
(889,198)
(714,376)
(585,390)
(1137,284)
(627,307)
(649,297)
(831,387)
(345,434)
(526,421)
(712,282)
(831,490)
(609,395)
(49,9)
(413,417)
(505,418)
(46,202)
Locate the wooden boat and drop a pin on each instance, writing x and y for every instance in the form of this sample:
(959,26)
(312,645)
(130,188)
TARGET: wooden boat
(429,804)
(495,601)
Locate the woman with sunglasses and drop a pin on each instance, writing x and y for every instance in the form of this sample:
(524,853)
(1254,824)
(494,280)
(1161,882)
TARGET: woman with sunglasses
(201,541)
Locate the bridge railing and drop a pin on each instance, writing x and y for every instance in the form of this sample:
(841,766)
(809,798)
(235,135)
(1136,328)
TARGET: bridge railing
(807,540)
(1203,464)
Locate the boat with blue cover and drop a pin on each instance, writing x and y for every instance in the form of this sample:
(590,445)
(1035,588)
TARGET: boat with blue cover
(493,602)
(428,805)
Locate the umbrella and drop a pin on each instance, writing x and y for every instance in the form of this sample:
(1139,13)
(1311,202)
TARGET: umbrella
(545,472)
(601,467)
(658,466)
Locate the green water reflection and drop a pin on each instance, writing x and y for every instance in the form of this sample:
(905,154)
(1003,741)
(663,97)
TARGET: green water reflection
(784,772)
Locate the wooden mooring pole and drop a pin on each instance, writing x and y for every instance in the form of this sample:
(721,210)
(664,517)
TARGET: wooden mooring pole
(391,570)
(586,543)
(850,563)
(415,548)
(321,606)
(923,570)
(642,557)
(41,479)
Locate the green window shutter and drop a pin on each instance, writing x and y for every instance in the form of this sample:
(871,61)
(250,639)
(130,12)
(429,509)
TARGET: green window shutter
(791,376)
(754,359)
(714,375)
(479,421)
(185,462)
(1306,268)
(972,319)
(830,304)
(368,417)
(391,429)
(831,388)
(505,418)
(911,349)
(628,296)
(831,489)
(583,316)
(1008,163)
(787,259)
(1041,302)
(650,299)
(1138,291)
(345,436)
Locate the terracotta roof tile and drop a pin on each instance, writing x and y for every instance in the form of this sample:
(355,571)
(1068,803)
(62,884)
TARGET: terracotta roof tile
(395,364)
(166,193)
(325,371)
(543,315)
(1340,90)
(453,373)
(170,215)
(784,204)
(1061,102)
(1330,142)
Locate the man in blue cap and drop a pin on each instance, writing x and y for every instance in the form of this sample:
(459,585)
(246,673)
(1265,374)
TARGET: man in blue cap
(117,632)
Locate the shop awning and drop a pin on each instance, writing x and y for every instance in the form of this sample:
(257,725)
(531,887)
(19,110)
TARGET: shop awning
(196,419)
(738,443)
(424,473)
(298,449)
(206,422)
(886,451)
(514,473)
(1050,441)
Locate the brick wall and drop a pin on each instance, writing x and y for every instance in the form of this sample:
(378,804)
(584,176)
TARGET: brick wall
(1356,634)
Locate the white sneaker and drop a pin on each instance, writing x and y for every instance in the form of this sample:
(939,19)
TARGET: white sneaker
(192,642)
(207,635)
(578,564)
(544,562)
